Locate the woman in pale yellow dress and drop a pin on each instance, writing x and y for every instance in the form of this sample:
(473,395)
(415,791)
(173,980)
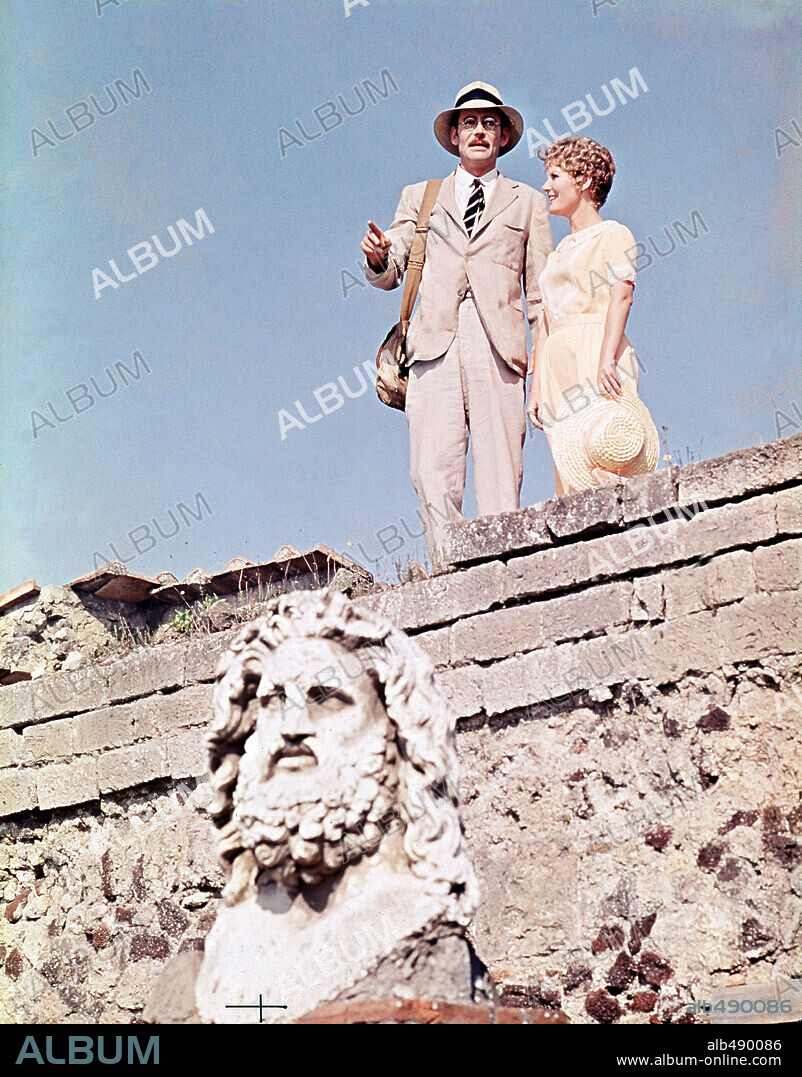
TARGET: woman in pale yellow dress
(582,352)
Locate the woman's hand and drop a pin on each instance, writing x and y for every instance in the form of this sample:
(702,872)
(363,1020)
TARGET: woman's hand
(608,381)
(532,411)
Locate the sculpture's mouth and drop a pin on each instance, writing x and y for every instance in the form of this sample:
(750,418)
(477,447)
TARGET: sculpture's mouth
(294,756)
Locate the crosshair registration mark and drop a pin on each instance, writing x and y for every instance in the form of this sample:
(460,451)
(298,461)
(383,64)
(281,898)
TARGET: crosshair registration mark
(260,1006)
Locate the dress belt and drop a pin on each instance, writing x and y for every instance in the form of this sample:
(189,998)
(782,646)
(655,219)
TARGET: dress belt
(577,319)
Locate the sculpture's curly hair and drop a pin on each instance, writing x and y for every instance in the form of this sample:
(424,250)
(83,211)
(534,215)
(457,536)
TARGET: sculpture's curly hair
(421,721)
(582,158)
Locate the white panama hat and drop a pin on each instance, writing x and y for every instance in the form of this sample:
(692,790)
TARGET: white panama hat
(615,435)
(478,95)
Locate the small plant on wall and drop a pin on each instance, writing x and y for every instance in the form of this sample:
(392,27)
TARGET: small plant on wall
(185,621)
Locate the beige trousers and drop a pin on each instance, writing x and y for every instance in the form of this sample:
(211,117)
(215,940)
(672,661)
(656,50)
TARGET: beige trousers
(468,392)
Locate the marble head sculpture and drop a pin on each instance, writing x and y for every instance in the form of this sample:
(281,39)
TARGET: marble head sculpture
(332,758)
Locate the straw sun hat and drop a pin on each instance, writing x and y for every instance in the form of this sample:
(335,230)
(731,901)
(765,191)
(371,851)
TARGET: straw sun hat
(478,95)
(616,435)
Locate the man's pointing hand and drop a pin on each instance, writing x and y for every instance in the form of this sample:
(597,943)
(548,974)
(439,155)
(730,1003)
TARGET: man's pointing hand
(376,247)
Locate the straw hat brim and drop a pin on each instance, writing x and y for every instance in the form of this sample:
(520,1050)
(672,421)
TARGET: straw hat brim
(567,439)
(444,123)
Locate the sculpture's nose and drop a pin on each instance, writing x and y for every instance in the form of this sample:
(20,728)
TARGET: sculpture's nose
(295,721)
(295,740)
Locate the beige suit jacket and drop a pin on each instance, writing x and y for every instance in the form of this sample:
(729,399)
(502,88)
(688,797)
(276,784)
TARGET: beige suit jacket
(510,243)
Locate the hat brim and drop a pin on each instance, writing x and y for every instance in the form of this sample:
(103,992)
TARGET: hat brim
(567,436)
(444,123)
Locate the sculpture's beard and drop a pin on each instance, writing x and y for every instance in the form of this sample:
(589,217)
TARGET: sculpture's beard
(302,829)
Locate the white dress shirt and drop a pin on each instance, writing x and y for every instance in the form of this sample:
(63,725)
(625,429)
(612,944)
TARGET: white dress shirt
(463,185)
(463,182)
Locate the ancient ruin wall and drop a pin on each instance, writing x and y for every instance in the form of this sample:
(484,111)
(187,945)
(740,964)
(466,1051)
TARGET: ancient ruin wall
(625,667)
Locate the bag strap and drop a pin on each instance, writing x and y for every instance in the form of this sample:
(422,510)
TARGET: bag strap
(417,254)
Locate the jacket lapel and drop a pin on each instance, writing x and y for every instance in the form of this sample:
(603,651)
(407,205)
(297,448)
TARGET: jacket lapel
(504,192)
(448,201)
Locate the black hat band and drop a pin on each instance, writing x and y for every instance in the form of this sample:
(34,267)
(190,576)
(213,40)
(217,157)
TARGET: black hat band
(481,94)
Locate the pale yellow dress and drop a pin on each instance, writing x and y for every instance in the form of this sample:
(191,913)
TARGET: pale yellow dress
(575,285)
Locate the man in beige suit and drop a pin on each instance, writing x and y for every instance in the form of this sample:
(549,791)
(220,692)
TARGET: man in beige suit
(467,341)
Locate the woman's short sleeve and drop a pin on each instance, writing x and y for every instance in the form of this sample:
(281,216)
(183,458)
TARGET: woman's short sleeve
(620,253)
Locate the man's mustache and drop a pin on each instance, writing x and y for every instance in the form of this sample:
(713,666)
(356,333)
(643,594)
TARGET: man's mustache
(289,749)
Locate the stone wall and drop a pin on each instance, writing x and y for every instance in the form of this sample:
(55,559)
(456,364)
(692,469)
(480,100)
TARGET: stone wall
(64,629)
(57,629)
(625,667)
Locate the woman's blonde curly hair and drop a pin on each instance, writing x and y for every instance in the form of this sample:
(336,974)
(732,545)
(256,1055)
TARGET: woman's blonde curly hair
(582,158)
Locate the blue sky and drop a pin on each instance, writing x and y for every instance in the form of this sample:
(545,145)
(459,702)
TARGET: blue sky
(258,314)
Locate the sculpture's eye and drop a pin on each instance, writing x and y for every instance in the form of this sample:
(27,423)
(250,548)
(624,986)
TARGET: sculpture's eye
(319,693)
(326,693)
(275,698)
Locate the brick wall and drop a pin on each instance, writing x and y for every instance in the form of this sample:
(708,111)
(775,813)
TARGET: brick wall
(624,664)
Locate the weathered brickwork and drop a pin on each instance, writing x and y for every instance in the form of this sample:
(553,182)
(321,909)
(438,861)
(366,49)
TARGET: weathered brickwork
(625,667)
(641,831)
(95,900)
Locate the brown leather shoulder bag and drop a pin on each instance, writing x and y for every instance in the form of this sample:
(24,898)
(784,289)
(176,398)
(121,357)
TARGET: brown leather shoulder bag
(392,372)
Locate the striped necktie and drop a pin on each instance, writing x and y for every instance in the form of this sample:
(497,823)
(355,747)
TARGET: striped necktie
(476,203)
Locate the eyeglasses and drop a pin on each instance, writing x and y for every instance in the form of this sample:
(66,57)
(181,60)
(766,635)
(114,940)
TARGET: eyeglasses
(470,123)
